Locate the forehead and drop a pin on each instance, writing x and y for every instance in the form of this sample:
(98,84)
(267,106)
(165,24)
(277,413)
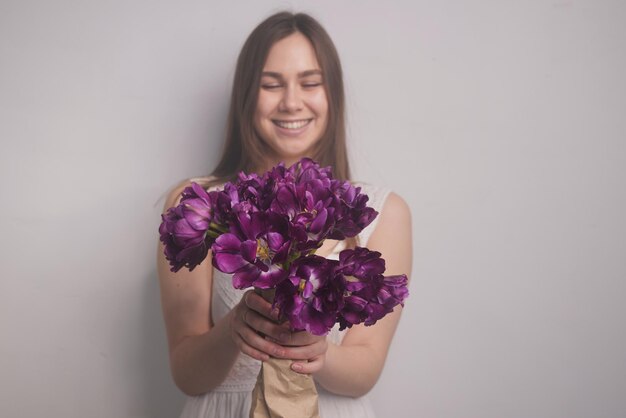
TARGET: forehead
(291,55)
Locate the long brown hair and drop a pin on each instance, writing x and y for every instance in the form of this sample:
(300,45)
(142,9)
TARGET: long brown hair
(243,150)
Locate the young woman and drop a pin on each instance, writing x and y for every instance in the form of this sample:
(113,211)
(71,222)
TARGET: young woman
(287,103)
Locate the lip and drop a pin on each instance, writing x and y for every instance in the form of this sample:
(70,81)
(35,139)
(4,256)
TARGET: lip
(291,132)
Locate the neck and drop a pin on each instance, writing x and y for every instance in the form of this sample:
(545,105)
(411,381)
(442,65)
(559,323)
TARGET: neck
(273,162)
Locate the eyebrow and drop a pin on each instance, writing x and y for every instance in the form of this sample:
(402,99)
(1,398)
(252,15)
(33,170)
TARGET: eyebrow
(302,74)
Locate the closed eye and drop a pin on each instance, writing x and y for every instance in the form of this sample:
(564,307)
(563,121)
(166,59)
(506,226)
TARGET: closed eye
(271,86)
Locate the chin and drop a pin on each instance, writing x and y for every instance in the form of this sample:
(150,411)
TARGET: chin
(293,152)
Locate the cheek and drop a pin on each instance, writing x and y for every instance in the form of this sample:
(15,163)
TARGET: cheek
(264,106)
(258,123)
(321,105)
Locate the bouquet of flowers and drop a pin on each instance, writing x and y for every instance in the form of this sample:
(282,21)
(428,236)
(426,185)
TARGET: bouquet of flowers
(264,230)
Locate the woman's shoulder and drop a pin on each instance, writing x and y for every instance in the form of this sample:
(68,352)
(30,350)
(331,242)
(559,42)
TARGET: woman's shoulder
(396,207)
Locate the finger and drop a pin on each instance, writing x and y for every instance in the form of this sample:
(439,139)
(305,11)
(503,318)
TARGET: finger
(251,338)
(256,302)
(248,350)
(306,352)
(308,367)
(245,297)
(266,327)
(300,338)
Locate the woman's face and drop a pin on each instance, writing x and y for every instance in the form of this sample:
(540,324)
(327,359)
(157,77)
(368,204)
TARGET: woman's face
(292,110)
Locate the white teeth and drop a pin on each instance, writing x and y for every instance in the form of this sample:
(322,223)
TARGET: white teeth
(292,125)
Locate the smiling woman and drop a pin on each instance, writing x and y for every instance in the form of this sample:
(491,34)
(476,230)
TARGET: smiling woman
(287,103)
(288,60)
(292,108)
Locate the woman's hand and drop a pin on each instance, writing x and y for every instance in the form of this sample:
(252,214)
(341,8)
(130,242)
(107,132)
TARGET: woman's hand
(253,320)
(309,349)
(255,331)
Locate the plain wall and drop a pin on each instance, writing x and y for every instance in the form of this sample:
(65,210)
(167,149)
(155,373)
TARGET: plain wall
(501,123)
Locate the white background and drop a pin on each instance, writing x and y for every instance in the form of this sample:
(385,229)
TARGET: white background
(501,123)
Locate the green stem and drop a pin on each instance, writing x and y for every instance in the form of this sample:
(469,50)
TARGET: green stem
(218,227)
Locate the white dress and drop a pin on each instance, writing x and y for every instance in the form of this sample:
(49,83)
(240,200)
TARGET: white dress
(232,398)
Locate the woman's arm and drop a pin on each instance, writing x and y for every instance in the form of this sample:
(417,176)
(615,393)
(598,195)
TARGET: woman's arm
(352,368)
(202,353)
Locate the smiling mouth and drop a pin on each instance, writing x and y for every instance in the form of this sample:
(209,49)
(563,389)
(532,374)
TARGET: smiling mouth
(292,124)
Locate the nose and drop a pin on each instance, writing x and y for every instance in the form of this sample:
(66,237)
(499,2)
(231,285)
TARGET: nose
(291,100)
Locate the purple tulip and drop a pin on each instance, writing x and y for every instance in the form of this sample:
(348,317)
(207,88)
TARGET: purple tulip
(370,295)
(249,193)
(303,193)
(254,251)
(393,291)
(352,214)
(306,206)
(279,175)
(361,262)
(312,295)
(189,229)
(306,169)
